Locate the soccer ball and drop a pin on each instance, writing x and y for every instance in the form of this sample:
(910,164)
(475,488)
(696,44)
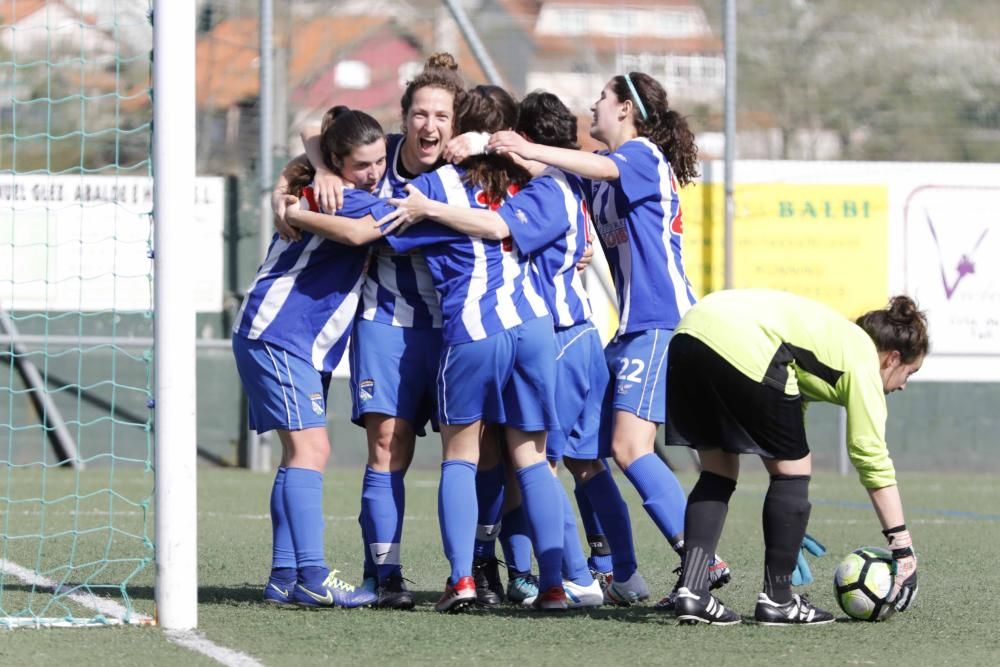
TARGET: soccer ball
(862,583)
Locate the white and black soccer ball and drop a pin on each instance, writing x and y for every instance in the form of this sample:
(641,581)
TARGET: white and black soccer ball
(863,582)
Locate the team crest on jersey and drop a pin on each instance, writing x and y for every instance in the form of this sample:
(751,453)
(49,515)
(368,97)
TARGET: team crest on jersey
(366,389)
(317,403)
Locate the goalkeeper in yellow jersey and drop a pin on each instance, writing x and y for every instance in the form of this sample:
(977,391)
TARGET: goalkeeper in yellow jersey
(741,366)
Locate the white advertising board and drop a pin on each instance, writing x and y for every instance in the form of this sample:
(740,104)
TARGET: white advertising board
(83,243)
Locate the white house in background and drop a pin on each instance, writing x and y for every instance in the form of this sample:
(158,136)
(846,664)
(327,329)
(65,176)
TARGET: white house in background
(580,43)
(33,27)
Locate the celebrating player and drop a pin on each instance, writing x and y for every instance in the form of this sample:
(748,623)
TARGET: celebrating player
(497,365)
(397,341)
(548,219)
(290,333)
(637,212)
(740,366)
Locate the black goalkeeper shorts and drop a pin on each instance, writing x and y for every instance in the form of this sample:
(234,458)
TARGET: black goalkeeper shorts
(712,405)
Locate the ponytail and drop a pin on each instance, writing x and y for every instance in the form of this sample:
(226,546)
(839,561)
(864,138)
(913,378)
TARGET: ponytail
(653,118)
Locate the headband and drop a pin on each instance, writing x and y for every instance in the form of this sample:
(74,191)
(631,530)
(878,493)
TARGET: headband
(635,96)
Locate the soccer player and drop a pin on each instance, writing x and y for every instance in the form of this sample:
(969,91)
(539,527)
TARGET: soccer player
(290,333)
(397,341)
(741,364)
(637,213)
(547,219)
(498,361)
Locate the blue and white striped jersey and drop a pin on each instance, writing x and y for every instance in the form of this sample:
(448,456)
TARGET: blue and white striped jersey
(549,220)
(638,219)
(398,288)
(306,292)
(485,286)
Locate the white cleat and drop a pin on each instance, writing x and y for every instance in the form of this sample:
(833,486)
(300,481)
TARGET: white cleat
(578,597)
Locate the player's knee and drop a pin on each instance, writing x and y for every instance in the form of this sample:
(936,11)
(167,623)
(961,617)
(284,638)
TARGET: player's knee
(583,470)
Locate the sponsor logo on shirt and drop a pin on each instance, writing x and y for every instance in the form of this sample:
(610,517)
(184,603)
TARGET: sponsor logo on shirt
(613,234)
(366,389)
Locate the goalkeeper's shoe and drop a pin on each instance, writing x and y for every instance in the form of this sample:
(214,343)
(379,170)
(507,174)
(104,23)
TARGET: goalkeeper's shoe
(331,592)
(522,589)
(486,573)
(457,596)
(719,575)
(797,611)
(578,597)
(628,592)
(278,592)
(393,594)
(553,599)
(704,608)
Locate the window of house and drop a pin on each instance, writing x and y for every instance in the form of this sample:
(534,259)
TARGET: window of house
(352,74)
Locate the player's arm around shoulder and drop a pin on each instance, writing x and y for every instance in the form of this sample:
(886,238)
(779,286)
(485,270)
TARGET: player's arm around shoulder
(344,227)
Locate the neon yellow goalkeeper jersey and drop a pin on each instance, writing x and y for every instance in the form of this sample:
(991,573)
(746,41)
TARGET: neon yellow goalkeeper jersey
(803,348)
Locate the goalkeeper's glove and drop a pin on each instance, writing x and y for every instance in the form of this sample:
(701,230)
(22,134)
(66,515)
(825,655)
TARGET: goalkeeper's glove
(904,567)
(802,574)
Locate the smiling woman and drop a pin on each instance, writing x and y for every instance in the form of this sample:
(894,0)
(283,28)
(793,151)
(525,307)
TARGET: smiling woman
(397,337)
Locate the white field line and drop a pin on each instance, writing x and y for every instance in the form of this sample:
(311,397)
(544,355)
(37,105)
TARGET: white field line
(195,641)
(188,639)
(102,606)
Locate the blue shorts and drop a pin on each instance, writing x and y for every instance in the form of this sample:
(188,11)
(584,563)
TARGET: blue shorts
(393,372)
(581,382)
(507,378)
(284,391)
(638,363)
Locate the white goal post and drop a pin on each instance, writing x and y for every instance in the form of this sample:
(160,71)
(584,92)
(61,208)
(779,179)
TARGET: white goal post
(174,314)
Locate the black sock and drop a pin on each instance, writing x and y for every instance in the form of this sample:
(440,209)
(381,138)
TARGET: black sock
(706,512)
(786,514)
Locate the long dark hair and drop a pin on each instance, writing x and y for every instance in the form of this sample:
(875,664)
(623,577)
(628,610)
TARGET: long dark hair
(900,326)
(490,109)
(341,131)
(440,71)
(662,125)
(544,119)
(348,129)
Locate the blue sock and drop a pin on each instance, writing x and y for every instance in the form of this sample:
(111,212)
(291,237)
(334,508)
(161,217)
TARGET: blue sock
(282,547)
(489,493)
(457,511)
(662,495)
(370,571)
(545,514)
(574,564)
(515,540)
(382,498)
(304,508)
(600,551)
(607,501)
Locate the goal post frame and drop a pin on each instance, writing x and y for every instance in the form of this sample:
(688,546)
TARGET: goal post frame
(175,437)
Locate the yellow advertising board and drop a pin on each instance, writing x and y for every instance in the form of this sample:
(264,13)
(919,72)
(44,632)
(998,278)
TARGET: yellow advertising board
(825,242)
